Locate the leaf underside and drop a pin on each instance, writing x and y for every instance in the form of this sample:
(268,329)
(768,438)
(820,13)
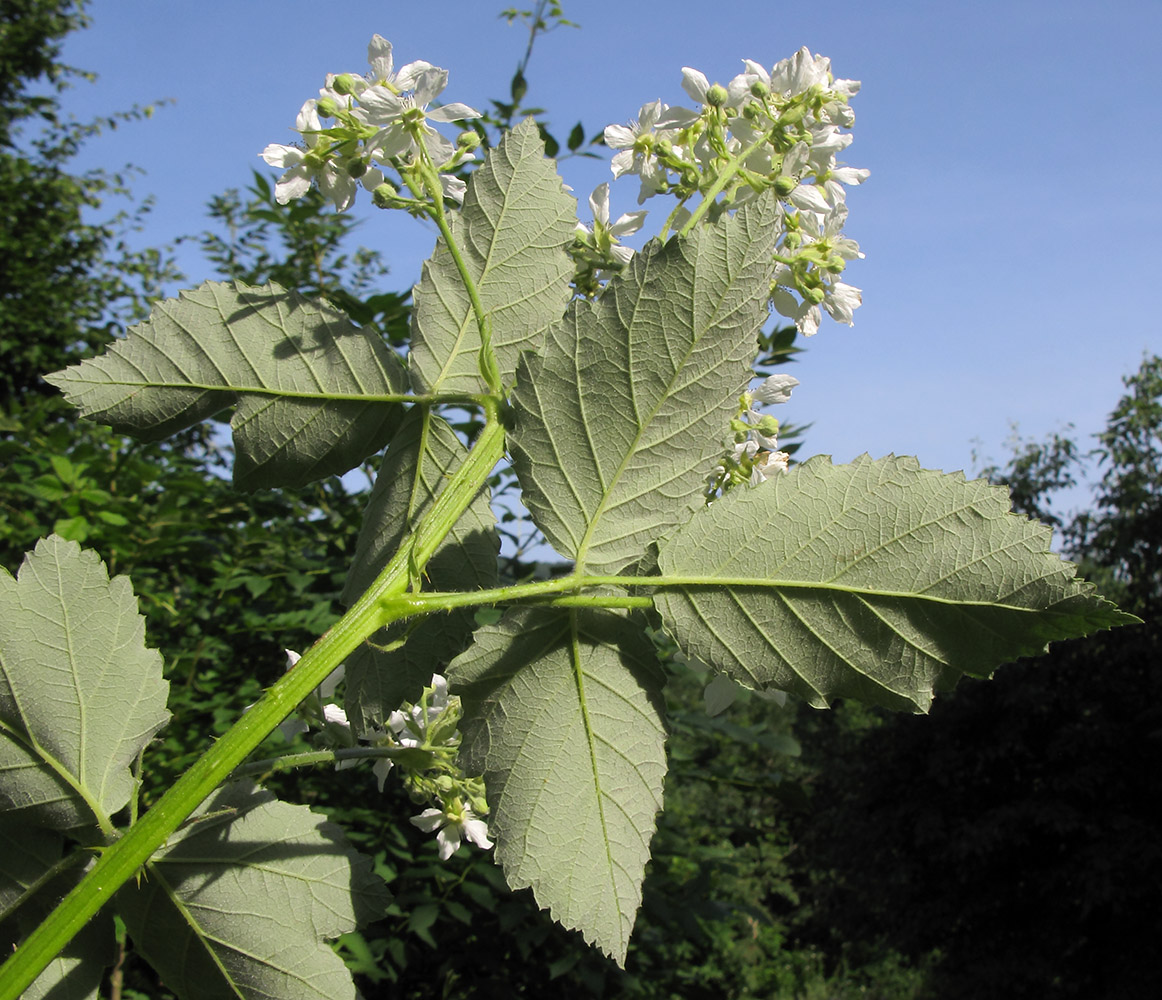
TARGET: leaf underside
(563,717)
(242,902)
(619,418)
(80,694)
(513,234)
(306,383)
(878,580)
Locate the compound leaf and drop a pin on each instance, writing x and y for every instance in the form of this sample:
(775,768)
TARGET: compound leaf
(513,234)
(878,580)
(563,717)
(80,694)
(242,902)
(619,417)
(308,386)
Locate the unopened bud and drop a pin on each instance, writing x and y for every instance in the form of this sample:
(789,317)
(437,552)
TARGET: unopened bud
(467,140)
(384,196)
(717,96)
(814,295)
(356,168)
(784,185)
(344,84)
(759,89)
(327,106)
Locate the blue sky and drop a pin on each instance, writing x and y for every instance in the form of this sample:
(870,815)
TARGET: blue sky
(1009,223)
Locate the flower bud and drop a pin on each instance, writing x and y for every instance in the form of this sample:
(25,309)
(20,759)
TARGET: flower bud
(344,84)
(768,426)
(467,140)
(327,106)
(384,196)
(356,168)
(759,89)
(814,295)
(784,185)
(717,96)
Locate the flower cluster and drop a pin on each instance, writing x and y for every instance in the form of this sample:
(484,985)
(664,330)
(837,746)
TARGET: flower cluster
(779,130)
(423,741)
(380,120)
(755,455)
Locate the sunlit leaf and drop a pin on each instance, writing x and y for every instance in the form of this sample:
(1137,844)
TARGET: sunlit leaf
(513,233)
(878,580)
(563,716)
(307,385)
(80,694)
(619,418)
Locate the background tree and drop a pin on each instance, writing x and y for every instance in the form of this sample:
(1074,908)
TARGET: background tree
(1025,852)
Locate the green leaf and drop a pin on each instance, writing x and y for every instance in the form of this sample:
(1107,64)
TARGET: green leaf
(26,854)
(563,717)
(419,463)
(242,902)
(80,694)
(878,580)
(619,418)
(307,384)
(513,233)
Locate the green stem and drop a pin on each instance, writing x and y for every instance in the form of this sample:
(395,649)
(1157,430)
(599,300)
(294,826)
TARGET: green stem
(486,362)
(309,759)
(725,177)
(122,860)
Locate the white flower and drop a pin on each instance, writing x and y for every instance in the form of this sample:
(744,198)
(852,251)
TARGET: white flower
(382,106)
(768,464)
(626,224)
(739,87)
(800,73)
(313,163)
(606,234)
(454,823)
(806,316)
(695,84)
(775,388)
(634,143)
(410,729)
(841,301)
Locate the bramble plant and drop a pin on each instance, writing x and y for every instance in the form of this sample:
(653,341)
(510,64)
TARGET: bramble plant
(619,385)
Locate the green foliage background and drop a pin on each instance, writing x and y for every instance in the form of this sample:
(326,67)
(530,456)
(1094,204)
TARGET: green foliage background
(1001,846)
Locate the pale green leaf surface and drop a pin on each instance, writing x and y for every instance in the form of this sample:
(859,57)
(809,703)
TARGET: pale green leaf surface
(621,416)
(563,717)
(879,581)
(419,462)
(80,694)
(513,233)
(306,383)
(242,903)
